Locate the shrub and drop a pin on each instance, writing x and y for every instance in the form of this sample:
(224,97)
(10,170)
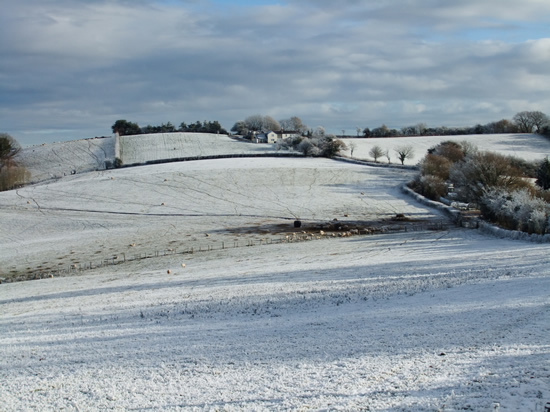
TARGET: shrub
(326,146)
(430,186)
(331,147)
(543,174)
(451,151)
(435,165)
(13,176)
(483,171)
(515,210)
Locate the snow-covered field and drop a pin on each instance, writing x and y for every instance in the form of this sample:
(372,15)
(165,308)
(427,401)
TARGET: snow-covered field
(531,147)
(94,216)
(420,320)
(424,321)
(161,146)
(52,161)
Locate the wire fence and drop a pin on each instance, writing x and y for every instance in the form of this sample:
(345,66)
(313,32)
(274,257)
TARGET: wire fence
(200,247)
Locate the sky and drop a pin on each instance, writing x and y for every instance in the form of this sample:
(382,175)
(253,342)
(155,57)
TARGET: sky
(70,69)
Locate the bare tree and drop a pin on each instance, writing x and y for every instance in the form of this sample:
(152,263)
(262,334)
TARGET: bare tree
(404,153)
(319,132)
(539,120)
(527,122)
(293,124)
(376,152)
(269,123)
(254,122)
(352,146)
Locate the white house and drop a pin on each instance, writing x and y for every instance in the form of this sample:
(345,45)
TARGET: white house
(274,137)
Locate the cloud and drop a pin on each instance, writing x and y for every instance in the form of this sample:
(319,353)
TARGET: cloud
(79,66)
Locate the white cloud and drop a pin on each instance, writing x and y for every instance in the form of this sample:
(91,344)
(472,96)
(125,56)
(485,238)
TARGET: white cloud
(334,63)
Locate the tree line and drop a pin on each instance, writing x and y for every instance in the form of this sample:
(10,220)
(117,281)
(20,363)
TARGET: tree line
(522,122)
(126,128)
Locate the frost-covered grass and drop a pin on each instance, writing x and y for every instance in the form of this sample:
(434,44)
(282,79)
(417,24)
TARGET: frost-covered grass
(530,147)
(90,217)
(428,320)
(52,161)
(159,146)
(425,321)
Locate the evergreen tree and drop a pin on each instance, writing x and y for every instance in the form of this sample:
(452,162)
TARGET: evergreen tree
(543,174)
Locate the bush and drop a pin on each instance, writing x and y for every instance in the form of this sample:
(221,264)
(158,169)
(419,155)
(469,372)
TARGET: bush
(483,171)
(543,174)
(326,146)
(451,151)
(435,165)
(515,210)
(13,176)
(430,186)
(497,183)
(331,147)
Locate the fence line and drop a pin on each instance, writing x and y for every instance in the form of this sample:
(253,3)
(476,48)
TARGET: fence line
(197,247)
(211,157)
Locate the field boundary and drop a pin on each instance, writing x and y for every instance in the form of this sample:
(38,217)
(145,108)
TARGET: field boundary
(374,164)
(200,247)
(210,157)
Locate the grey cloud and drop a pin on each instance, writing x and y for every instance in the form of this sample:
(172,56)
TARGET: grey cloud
(81,65)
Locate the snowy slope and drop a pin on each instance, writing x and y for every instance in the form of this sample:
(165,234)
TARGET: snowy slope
(51,161)
(531,147)
(160,146)
(90,217)
(424,320)
(430,321)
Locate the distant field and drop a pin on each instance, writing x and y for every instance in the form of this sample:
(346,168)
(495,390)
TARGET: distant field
(56,160)
(151,147)
(51,161)
(525,146)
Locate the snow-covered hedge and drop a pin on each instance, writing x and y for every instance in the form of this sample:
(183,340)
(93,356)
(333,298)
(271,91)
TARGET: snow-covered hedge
(451,212)
(482,225)
(486,227)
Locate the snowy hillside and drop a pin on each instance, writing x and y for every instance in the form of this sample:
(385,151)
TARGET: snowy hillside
(51,161)
(525,146)
(160,146)
(90,217)
(254,319)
